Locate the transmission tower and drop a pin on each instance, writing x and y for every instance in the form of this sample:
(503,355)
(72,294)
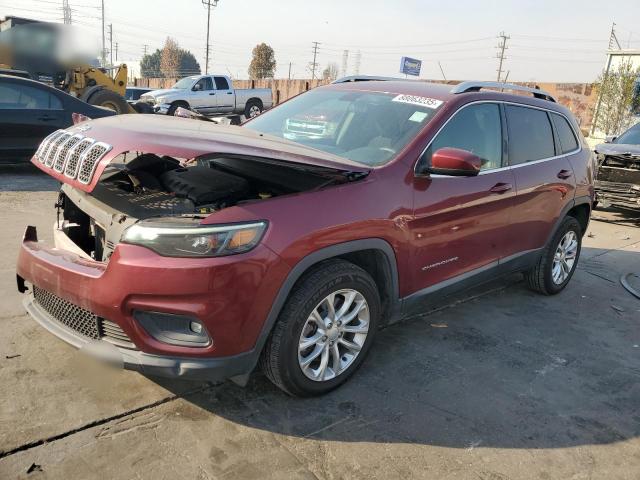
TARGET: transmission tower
(613,38)
(345,63)
(356,63)
(66,12)
(502,46)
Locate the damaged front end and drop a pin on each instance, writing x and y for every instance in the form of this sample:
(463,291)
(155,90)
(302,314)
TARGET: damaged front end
(617,181)
(155,190)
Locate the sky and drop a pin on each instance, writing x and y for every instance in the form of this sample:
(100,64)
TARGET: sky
(550,41)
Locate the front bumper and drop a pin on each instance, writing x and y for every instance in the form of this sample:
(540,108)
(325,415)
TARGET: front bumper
(161,108)
(617,194)
(228,295)
(210,369)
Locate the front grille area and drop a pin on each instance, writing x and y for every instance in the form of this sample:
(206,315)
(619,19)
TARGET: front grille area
(80,320)
(75,155)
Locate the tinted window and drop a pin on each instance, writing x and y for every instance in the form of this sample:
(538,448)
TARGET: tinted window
(205,83)
(631,136)
(16,96)
(221,83)
(477,129)
(530,135)
(568,141)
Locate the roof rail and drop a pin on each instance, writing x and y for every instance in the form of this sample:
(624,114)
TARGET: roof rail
(366,78)
(465,87)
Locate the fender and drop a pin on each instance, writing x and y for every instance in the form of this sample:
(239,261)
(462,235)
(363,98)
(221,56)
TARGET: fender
(303,265)
(583,200)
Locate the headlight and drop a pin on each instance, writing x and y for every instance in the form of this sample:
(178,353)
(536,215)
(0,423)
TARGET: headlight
(173,238)
(160,100)
(600,157)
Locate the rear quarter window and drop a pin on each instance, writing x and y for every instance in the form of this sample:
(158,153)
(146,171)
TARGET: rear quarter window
(568,141)
(530,134)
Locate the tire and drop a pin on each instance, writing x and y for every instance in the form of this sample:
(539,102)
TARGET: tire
(253,108)
(142,107)
(111,100)
(281,360)
(544,277)
(174,106)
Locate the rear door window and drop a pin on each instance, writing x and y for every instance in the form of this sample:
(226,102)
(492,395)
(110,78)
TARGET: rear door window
(568,141)
(221,83)
(14,96)
(477,129)
(530,134)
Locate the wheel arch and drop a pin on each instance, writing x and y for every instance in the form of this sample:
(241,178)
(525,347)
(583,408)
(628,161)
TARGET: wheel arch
(362,253)
(255,100)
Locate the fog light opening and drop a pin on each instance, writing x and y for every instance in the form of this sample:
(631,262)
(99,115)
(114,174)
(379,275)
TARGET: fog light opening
(174,329)
(196,327)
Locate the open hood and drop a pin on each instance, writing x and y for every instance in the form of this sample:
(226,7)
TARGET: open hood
(79,154)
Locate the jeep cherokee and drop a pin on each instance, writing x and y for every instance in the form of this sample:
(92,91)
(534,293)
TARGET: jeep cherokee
(184,248)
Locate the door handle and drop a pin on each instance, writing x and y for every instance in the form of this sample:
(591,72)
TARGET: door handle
(229,93)
(564,174)
(46,118)
(212,93)
(501,188)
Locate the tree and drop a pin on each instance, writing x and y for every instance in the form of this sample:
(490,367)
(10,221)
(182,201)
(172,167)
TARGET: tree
(331,71)
(617,98)
(188,64)
(150,65)
(263,63)
(170,59)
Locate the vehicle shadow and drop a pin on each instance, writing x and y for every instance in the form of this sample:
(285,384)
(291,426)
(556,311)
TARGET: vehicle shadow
(512,369)
(25,177)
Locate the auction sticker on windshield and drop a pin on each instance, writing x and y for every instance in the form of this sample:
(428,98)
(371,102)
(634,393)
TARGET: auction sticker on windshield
(417,100)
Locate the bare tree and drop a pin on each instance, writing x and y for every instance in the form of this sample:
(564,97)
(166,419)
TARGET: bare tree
(617,98)
(170,59)
(263,63)
(331,71)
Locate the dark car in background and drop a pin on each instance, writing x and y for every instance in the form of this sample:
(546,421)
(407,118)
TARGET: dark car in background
(618,177)
(30,110)
(132,94)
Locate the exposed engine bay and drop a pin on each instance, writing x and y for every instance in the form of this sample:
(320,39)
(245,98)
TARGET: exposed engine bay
(618,181)
(141,186)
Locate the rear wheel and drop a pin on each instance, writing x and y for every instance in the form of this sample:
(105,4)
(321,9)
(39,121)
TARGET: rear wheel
(108,99)
(559,260)
(324,331)
(253,108)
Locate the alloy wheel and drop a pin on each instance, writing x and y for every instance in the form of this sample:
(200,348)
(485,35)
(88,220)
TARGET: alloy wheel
(333,335)
(565,257)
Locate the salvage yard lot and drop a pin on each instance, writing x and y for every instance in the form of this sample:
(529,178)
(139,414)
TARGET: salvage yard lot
(507,384)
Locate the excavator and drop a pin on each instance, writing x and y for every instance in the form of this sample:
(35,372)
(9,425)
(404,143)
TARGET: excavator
(32,48)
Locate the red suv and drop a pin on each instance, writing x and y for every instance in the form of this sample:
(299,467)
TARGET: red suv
(185,248)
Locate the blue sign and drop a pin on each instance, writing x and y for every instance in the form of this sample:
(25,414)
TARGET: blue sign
(410,66)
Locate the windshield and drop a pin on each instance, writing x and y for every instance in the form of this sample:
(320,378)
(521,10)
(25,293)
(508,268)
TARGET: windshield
(184,83)
(365,127)
(630,137)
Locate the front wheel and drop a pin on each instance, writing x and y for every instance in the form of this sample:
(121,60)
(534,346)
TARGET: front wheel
(558,261)
(324,331)
(253,108)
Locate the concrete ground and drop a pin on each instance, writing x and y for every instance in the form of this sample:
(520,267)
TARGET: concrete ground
(508,385)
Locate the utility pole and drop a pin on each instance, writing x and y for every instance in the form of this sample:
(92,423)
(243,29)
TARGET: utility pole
(502,46)
(144,50)
(208,4)
(356,66)
(104,52)
(111,42)
(289,70)
(345,63)
(66,12)
(314,64)
(442,71)
(116,51)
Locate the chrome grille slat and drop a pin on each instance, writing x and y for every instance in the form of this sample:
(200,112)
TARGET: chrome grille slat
(111,332)
(46,144)
(61,157)
(55,146)
(89,161)
(71,169)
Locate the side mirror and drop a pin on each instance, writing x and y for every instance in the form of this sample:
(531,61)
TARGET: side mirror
(197,87)
(610,138)
(454,162)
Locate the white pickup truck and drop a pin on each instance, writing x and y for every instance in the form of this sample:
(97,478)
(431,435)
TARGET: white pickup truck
(209,95)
